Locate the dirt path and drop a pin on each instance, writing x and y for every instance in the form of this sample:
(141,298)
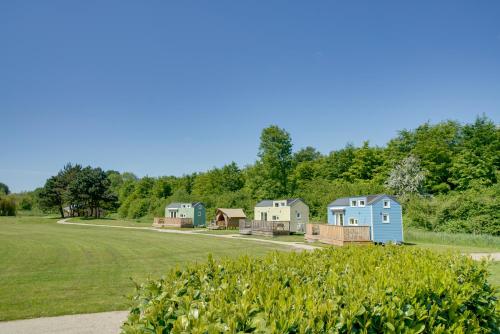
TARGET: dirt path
(92,323)
(480,256)
(294,245)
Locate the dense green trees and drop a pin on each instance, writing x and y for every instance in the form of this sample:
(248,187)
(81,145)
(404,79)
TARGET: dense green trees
(4,189)
(431,167)
(84,190)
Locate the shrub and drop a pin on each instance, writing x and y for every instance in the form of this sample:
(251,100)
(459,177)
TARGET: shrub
(474,211)
(7,207)
(354,289)
(138,208)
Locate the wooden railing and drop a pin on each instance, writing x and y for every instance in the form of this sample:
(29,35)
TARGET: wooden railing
(264,227)
(337,235)
(172,222)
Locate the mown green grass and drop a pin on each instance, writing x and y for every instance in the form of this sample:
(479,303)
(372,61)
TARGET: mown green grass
(461,242)
(49,269)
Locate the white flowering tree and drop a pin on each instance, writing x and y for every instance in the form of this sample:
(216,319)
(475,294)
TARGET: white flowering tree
(407,177)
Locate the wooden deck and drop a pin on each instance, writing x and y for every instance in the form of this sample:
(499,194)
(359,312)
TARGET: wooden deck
(266,228)
(172,222)
(338,235)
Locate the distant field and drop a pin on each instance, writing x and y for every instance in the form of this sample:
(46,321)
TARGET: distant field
(465,243)
(50,269)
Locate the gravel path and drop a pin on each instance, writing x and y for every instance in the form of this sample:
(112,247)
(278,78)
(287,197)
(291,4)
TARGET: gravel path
(92,323)
(480,256)
(295,245)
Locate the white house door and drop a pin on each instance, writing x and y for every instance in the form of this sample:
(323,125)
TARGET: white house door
(339,219)
(173,214)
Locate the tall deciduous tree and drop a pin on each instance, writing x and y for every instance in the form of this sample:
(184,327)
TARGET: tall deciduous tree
(407,177)
(275,153)
(4,189)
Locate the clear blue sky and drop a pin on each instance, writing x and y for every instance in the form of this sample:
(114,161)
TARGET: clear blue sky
(134,85)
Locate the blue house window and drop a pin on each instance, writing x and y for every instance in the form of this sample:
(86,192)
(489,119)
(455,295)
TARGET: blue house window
(385,218)
(354,203)
(387,204)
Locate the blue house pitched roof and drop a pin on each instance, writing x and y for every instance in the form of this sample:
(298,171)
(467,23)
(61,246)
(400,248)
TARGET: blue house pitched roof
(370,199)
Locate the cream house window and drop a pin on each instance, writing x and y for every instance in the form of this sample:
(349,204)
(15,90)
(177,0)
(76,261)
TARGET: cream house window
(353,221)
(276,205)
(275,217)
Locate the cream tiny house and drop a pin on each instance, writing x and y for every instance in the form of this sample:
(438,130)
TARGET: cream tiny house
(293,211)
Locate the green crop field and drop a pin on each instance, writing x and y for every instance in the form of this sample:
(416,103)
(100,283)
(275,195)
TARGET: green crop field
(51,269)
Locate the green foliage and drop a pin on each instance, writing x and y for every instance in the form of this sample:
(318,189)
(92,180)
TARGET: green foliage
(356,289)
(275,152)
(7,206)
(4,189)
(473,211)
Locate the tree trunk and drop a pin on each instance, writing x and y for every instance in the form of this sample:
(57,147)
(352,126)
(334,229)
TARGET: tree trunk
(61,211)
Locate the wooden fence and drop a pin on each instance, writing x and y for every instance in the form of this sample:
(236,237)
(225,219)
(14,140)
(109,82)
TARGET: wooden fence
(338,235)
(172,222)
(261,227)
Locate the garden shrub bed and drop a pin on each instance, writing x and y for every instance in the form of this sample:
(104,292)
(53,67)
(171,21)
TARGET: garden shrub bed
(354,289)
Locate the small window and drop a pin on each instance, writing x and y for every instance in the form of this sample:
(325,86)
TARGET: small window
(199,213)
(276,205)
(353,221)
(298,215)
(283,203)
(275,217)
(354,203)
(387,204)
(385,218)
(361,202)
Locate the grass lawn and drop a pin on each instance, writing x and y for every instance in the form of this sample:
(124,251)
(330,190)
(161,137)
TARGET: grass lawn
(464,243)
(113,221)
(50,269)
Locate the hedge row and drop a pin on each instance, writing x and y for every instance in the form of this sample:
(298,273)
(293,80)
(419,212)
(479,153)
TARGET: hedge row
(353,289)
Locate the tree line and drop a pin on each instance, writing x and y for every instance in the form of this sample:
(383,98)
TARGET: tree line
(432,169)
(80,191)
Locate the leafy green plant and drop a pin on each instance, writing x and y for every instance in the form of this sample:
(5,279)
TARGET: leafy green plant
(354,289)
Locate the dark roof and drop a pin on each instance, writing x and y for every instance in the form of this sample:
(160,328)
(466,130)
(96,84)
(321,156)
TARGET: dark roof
(370,199)
(176,205)
(269,202)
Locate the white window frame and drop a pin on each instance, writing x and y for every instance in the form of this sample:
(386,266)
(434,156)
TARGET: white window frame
(283,203)
(388,206)
(388,221)
(298,215)
(354,203)
(354,221)
(275,218)
(276,205)
(361,205)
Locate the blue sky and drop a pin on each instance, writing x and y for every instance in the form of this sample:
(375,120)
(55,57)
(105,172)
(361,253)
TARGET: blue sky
(133,85)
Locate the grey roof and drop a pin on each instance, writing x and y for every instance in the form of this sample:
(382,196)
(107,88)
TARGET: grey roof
(269,202)
(370,199)
(177,205)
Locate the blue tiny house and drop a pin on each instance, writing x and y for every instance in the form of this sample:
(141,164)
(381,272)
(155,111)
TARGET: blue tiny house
(382,213)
